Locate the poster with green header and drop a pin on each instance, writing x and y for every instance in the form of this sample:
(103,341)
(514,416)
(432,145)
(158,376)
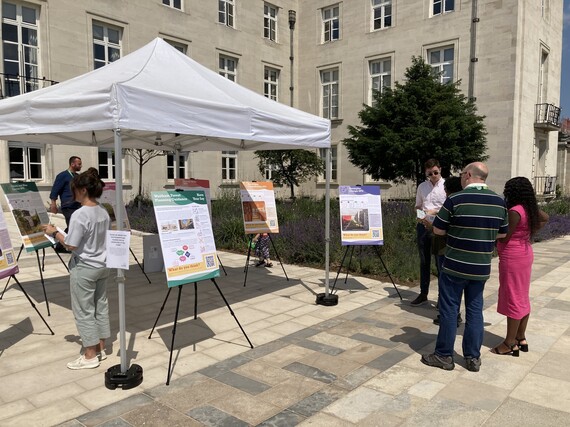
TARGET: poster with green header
(186,236)
(29,213)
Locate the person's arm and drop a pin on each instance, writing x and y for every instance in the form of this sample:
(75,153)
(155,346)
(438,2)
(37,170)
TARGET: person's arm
(52,230)
(514,219)
(56,191)
(439,231)
(542,219)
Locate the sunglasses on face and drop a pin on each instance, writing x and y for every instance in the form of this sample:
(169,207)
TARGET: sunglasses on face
(436,173)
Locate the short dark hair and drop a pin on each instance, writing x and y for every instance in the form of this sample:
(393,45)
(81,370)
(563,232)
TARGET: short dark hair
(73,158)
(430,163)
(452,184)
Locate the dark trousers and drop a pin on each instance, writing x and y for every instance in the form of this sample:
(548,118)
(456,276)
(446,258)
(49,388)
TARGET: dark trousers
(424,240)
(67,211)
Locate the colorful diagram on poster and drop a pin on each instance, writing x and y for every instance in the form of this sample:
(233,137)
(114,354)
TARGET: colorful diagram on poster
(186,236)
(259,208)
(29,213)
(361,215)
(8,265)
(195,184)
(109,202)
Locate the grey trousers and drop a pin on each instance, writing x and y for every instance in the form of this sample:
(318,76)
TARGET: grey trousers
(88,286)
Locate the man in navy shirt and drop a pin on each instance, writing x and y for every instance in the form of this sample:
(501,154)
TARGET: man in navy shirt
(62,189)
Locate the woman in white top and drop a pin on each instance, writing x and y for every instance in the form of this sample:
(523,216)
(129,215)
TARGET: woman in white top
(88,272)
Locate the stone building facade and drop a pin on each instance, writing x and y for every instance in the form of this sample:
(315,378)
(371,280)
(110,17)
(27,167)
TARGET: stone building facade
(321,56)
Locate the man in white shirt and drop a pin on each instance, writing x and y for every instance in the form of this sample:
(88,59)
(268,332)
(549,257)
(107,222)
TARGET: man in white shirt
(429,199)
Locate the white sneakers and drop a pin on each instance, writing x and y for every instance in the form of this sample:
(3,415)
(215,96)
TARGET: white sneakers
(82,363)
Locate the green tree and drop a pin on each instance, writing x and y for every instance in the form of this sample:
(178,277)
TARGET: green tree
(142,156)
(413,122)
(290,167)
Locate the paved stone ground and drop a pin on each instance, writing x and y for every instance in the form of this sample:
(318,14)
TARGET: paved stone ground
(353,364)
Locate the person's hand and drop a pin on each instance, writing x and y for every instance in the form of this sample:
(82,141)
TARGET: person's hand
(53,208)
(426,224)
(49,229)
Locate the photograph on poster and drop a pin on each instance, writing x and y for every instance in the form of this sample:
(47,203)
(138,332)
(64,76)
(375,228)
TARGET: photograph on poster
(29,213)
(186,224)
(360,215)
(258,207)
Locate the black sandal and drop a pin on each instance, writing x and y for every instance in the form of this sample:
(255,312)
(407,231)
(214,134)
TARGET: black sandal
(511,352)
(522,347)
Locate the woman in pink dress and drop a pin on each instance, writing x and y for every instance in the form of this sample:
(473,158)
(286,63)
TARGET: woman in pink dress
(515,263)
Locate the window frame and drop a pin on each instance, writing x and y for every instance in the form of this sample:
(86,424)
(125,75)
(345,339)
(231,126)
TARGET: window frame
(328,24)
(443,4)
(270,23)
(26,162)
(25,81)
(226,13)
(107,45)
(224,71)
(331,85)
(172,4)
(381,5)
(110,165)
(227,156)
(182,166)
(334,164)
(443,62)
(381,75)
(269,82)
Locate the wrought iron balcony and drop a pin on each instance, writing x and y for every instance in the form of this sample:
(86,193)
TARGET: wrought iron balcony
(15,84)
(547,117)
(545,186)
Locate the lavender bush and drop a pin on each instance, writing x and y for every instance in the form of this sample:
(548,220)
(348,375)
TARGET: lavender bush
(301,238)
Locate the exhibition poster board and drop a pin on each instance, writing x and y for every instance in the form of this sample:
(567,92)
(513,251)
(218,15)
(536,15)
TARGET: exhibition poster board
(361,215)
(259,208)
(109,201)
(186,236)
(195,184)
(8,265)
(29,213)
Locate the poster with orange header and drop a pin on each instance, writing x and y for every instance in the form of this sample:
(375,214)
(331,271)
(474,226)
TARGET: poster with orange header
(259,208)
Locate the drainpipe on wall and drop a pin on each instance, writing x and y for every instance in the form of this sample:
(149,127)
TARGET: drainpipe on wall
(292,20)
(473,52)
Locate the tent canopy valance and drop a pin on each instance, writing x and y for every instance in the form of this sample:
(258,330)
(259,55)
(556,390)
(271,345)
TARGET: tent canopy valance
(157,95)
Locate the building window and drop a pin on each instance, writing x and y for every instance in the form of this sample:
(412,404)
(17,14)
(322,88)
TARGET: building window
(107,165)
(268,171)
(442,6)
(229,165)
(380,77)
(178,46)
(543,78)
(322,155)
(271,83)
(381,14)
(330,94)
(441,61)
(19,48)
(226,12)
(25,162)
(270,22)
(228,67)
(176,4)
(106,44)
(331,24)
(171,167)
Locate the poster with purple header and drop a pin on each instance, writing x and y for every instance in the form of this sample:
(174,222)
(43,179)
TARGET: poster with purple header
(8,264)
(360,215)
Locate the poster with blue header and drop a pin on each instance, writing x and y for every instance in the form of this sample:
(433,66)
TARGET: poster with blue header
(360,215)
(186,236)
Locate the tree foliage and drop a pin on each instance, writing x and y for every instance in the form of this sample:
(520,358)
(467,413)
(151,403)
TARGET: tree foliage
(413,122)
(290,167)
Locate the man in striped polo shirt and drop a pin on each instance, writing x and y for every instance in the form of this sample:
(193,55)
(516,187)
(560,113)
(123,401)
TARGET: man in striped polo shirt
(472,220)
